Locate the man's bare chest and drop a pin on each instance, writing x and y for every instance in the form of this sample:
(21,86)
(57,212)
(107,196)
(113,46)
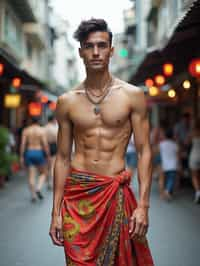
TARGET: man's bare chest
(114,111)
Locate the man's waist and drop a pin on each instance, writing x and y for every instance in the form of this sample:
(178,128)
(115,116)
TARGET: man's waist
(110,168)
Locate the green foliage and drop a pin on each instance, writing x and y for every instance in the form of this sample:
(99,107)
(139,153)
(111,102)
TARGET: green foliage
(4,138)
(6,159)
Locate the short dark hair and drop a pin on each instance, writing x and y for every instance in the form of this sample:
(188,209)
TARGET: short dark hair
(51,118)
(169,133)
(35,119)
(91,25)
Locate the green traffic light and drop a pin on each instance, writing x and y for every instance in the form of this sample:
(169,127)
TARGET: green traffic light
(123,52)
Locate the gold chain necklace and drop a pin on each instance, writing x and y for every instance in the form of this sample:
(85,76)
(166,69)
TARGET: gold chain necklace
(97,108)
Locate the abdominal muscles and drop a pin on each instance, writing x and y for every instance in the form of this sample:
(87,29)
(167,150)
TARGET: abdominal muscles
(101,150)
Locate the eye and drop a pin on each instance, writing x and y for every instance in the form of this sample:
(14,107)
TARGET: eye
(88,46)
(102,45)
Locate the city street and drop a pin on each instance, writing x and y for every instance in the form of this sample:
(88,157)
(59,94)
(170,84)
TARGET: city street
(173,234)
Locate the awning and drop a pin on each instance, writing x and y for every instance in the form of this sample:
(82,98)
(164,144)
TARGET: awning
(180,49)
(24,9)
(11,70)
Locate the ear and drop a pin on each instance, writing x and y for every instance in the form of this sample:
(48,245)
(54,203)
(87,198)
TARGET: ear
(112,49)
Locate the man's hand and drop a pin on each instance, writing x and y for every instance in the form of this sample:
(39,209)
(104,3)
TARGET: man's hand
(56,231)
(138,225)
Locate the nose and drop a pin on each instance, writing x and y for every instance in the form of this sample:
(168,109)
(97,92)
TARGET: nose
(96,50)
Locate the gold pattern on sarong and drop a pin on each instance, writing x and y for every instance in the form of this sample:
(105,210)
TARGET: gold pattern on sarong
(86,208)
(70,233)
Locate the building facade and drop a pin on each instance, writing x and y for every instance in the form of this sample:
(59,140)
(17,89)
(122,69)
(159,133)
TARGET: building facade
(36,54)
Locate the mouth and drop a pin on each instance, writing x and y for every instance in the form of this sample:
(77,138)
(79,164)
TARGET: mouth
(96,61)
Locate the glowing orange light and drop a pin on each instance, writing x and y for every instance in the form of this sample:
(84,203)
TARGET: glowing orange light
(12,100)
(16,82)
(1,69)
(153,91)
(168,69)
(52,106)
(44,99)
(160,80)
(35,109)
(149,82)
(197,68)
(194,67)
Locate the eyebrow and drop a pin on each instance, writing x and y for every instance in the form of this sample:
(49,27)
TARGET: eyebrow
(89,42)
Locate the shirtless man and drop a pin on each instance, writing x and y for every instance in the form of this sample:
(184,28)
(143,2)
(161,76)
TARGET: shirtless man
(91,191)
(51,130)
(34,152)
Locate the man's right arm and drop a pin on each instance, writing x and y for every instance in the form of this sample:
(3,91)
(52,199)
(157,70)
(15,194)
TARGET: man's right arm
(62,167)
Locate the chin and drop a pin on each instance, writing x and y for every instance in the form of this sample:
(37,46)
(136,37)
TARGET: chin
(96,68)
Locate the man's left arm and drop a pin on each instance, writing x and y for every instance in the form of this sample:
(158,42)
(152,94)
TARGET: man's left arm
(22,147)
(140,125)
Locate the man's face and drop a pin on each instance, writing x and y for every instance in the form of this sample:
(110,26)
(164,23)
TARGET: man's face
(96,51)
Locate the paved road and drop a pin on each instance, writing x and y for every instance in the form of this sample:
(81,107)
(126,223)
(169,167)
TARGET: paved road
(174,233)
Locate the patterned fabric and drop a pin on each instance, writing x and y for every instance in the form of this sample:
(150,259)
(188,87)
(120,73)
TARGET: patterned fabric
(96,211)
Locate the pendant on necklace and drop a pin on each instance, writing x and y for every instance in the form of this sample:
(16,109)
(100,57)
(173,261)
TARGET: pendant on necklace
(97,109)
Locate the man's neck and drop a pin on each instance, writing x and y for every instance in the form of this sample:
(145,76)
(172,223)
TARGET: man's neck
(97,81)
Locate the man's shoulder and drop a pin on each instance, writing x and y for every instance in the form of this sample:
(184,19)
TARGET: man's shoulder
(128,87)
(70,94)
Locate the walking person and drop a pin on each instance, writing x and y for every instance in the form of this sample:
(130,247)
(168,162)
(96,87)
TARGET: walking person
(51,129)
(194,160)
(34,153)
(95,215)
(169,160)
(131,157)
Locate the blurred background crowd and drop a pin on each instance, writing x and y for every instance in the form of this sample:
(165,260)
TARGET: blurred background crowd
(157,50)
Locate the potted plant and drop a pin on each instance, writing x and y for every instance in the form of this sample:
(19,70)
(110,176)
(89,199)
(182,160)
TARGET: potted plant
(6,158)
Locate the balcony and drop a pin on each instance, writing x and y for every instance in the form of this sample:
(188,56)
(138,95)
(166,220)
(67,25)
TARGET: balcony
(24,10)
(35,33)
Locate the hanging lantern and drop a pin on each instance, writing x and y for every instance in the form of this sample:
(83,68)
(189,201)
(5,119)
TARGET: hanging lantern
(35,109)
(12,100)
(194,68)
(52,106)
(149,82)
(186,84)
(16,82)
(1,69)
(168,69)
(160,80)
(44,99)
(153,91)
(171,93)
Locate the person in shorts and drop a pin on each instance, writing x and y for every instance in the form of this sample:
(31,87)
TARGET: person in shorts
(34,153)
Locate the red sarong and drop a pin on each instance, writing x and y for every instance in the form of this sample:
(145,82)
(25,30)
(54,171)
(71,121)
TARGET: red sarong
(96,211)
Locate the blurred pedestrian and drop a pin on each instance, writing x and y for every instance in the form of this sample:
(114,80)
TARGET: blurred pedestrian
(95,215)
(169,152)
(19,131)
(34,153)
(51,129)
(157,135)
(182,131)
(131,157)
(194,160)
